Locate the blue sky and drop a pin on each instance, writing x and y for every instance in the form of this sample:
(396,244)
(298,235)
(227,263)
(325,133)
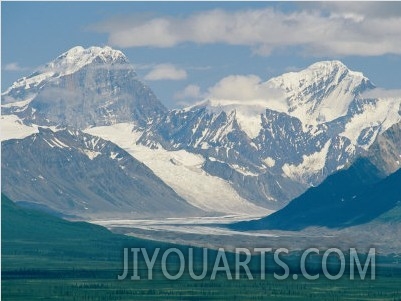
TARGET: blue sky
(183,49)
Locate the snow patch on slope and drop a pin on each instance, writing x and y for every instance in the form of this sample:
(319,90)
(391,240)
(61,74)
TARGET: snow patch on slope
(310,165)
(91,154)
(269,161)
(13,128)
(382,114)
(250,124)
(247,113)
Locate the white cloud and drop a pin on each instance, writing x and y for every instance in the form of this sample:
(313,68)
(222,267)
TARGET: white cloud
(143,66)
(319,29)
(368,9)
(14,67)
(166,72)
(382,93)
(248,92)
(190,92)
(238,87)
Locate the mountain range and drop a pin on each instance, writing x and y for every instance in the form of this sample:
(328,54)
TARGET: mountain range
(218,156)
(356,195)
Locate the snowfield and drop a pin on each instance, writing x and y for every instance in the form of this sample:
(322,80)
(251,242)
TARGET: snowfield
(13,128)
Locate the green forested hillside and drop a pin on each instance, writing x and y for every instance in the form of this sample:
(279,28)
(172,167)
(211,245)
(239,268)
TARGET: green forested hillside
(47,258)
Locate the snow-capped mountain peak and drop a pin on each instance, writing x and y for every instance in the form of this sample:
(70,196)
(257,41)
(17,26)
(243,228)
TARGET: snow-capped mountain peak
(70,62)
(322,92)
(82,87)
(323,70)
(78,57)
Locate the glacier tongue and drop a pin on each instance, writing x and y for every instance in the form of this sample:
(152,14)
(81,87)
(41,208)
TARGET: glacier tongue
(183,172)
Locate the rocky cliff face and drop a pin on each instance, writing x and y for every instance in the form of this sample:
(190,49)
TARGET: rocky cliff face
(385,152)
(75,173)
